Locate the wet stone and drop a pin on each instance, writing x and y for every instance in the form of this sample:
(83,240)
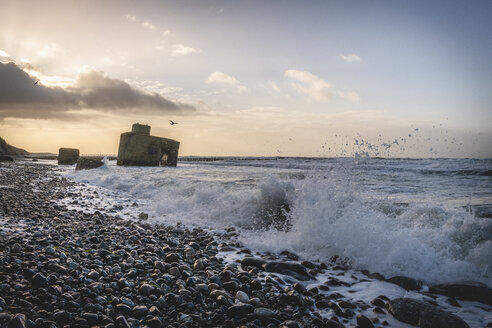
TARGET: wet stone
(364,322)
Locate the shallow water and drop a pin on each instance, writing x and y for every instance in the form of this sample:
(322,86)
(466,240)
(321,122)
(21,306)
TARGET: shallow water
(425,218)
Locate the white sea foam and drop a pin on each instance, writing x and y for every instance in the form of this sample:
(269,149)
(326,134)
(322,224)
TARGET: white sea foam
(386,216)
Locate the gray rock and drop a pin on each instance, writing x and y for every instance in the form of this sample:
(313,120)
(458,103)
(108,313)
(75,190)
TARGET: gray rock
(93,275)
(85,163)
(175,271)
(145,289)
(140,310)
(242,297)
(159,266)
(39,280)
(62,317)
(465,290)
(203,288)
(68,156)
(121,322)
(422,314)
(364,322)
(241,309)
(406,282)
(18,321)
(289,324)
(252,261)
(198,265)
(16,248)
(292,269)
(263,312)
(143,216)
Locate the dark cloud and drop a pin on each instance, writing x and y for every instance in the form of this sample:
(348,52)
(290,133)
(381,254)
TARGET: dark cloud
(20,97)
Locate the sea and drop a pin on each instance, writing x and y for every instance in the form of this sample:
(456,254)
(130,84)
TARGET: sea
(429,219)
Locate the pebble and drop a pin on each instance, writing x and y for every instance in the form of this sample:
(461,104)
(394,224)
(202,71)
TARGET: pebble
(242,297)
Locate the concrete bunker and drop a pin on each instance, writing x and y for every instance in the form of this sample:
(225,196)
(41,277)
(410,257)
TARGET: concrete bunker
(139,148)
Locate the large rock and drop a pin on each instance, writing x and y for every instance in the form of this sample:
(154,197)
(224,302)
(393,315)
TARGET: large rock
(85,163)
(423,315)
(406,282)
(139,148)
(465,290)
(292,269)
(68,156)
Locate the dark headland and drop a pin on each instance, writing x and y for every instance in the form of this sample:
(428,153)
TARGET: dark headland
(62,267)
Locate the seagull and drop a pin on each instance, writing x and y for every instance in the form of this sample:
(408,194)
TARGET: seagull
(36,82)
(172,123)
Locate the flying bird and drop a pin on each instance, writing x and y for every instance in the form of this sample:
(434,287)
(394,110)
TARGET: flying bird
(36,82)
(172,123)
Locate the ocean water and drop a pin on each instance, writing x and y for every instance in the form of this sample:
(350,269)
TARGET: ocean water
(429,219)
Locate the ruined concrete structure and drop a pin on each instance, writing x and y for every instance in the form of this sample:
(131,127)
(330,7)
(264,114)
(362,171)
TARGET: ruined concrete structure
(139,148)
(68,156)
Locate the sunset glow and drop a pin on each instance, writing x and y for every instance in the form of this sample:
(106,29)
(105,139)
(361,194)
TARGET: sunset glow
(249,78)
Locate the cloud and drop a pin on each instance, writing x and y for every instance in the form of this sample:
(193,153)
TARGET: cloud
(349,95)
(130,18)
(182,50)
(274,86)
(167,34)
(350,57)
(20,97)
(3,54)
(220,77)
(148,25)
(52,50)
(309,84)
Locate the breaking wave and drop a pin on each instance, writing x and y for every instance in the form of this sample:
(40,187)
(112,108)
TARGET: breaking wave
(372,213)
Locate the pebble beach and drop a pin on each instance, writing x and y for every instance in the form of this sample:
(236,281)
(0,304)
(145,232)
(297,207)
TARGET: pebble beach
(87,267)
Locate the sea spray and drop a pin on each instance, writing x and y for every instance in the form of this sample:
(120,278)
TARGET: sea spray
(394,216)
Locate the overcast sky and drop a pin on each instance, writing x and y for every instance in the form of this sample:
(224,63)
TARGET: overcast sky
(264,78)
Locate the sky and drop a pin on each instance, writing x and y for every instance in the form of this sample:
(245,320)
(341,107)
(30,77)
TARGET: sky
(250,78)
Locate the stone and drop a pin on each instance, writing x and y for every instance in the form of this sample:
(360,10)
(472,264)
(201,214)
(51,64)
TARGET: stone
(406,282)
(93,275)
(174,271)
(6,158)
(252,261)
(39,280)
(198,265)
(62,317)
(16,248)
(378,302)
(18,321)
(292,269)
(263,312)
(121,322)
(465,290)
(242,297)
(68,156)
(143,216)
(289,324)
(139,148)
(160,266)
(241,309)
(145,289)
(364,322)
(86,163)
(422,314)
